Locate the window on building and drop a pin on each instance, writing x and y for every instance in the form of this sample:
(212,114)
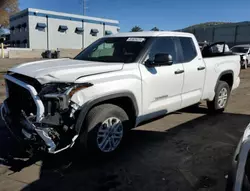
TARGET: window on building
(18,43)
(12,30)
(41,26)
(62,28)
(24,25)
(163,45)
(108,32)
(19,28)
(188,49)
(79,30)
(94,32)
(16,29)
(25,42)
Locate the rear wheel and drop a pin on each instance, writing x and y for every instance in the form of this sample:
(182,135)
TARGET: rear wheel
(106,126)
(221,97)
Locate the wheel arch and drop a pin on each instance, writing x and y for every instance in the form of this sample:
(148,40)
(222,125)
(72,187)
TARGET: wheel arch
(227,76)
(113,99)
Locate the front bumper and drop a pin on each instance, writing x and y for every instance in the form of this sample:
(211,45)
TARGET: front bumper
(25,131)
(33,130)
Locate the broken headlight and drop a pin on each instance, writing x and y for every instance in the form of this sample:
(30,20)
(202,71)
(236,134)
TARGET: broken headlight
(56,96)
(63,88)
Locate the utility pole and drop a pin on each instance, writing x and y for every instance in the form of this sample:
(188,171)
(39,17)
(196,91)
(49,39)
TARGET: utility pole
(84,3)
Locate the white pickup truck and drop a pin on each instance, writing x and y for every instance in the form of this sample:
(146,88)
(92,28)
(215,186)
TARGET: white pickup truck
(112,86)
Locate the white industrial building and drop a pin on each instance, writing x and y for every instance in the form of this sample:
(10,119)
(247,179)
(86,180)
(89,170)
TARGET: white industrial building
(40,29)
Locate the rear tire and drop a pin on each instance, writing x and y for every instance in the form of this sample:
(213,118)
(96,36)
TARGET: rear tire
(105,126)
(221,97)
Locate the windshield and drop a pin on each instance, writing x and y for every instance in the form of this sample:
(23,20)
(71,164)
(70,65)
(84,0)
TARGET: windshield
(114,49)
(240,49)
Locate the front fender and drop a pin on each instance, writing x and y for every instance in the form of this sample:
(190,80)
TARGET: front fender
(90,104)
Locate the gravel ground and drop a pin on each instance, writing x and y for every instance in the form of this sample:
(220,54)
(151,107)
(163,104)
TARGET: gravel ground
(186,150)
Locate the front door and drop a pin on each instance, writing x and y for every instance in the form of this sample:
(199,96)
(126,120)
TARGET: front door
(194,72)
(162,85)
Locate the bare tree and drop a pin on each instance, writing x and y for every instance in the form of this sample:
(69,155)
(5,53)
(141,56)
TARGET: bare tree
(7,8)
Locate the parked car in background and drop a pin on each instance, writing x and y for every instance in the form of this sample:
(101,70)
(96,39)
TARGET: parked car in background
(244,52)
(113,85)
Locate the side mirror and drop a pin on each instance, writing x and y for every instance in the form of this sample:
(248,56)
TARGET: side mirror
(163,59)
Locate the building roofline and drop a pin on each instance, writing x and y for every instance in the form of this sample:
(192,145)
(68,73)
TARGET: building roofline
(19,14)
(61,15)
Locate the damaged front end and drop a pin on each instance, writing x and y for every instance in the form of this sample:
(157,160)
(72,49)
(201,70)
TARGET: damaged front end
(41,115)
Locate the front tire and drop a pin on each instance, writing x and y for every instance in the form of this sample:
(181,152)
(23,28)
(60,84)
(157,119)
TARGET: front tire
(220,100)
(106,126)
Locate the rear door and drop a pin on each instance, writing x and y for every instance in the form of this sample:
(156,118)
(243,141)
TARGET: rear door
(194,71)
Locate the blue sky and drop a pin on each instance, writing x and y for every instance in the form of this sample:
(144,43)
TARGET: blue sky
(164,14)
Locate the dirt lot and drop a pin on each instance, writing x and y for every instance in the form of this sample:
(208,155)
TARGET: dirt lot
(186,150)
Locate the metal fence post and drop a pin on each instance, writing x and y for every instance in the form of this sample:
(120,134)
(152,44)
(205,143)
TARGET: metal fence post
(2,51)
(235,34)
(213,33)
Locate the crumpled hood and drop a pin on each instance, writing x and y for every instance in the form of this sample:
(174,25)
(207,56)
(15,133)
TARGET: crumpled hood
(63,70)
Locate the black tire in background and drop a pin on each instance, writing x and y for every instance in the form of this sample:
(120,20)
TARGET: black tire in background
(94,120)
(214,106)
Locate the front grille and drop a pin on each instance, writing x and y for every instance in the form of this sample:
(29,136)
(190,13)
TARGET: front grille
(19,99)
(28,80)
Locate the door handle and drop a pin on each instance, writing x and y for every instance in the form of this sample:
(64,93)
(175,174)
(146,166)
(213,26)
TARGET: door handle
(179,71)
(201,68)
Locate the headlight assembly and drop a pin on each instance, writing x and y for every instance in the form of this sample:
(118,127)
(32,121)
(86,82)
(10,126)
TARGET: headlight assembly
(59,94)
(63,88)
